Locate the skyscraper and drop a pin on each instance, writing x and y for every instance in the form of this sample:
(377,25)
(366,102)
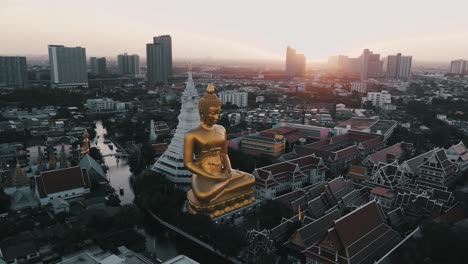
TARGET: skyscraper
(67,67)
(129,64)
(159,59)
(295,63)
(13,72)
(98,66)
(398,66)
(371,65)
(171,163)
(459,67)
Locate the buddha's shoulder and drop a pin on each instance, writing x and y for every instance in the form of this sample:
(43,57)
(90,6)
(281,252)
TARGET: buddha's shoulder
(192,132)
(220,129)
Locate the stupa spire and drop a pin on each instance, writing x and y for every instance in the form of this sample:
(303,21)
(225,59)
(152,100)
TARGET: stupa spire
(171,163)
(63,158)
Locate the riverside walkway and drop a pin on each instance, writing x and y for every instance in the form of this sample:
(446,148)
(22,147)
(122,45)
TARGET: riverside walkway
(193,239)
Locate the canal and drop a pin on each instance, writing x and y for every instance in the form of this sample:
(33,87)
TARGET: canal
(161,242)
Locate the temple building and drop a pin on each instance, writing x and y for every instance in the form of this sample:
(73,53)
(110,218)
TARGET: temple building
(63,185)
(362,236)
(171,163)
(18,188)
(288,176)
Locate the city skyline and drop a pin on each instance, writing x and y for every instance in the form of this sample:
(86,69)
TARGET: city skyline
(207,29)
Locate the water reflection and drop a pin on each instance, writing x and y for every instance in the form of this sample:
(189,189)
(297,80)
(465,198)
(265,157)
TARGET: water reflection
(119,170)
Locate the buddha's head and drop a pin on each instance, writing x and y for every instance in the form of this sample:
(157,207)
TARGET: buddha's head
(209,107)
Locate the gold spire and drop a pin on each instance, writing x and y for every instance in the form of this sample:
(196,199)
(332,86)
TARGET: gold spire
(85,147)
(299,214)
(20,178)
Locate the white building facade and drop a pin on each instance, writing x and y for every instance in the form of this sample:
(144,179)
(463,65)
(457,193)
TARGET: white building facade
(360,87)
(100,104)
(379,99)
(234,97)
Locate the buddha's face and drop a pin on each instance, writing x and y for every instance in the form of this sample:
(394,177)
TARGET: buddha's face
(211,116)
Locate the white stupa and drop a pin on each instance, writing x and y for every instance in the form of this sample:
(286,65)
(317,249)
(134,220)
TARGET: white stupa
(171,163)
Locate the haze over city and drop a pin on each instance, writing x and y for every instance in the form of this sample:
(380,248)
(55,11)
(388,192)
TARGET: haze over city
(241,29)
(241,132)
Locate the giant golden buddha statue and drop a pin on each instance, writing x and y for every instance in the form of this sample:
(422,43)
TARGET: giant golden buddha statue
(216,188)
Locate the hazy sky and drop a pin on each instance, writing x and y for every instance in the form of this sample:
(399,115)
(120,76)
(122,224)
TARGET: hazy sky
(429,30)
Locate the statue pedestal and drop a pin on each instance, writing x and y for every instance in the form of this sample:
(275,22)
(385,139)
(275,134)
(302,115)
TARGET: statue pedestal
(223,205)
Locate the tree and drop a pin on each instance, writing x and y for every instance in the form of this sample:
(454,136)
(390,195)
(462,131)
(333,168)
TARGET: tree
(4,201)
(439,136)
(368,105)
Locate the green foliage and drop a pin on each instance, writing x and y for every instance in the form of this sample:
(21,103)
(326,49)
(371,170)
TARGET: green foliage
(368,105)
(4,202)
(444,243)
(417,108)
(155,193)
(36,97)
(269,214)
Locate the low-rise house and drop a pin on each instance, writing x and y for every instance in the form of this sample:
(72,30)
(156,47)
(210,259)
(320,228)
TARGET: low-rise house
(263,145)
(339,152)
(459,154)
(368,125)
(390,154)
(357,174)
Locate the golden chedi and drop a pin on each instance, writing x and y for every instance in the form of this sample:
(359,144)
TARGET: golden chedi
(85,147)
(216,188)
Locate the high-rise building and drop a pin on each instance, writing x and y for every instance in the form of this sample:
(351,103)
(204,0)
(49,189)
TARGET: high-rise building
(129,64)
(347,64)
(398,67)
(67,67)
(234,97)
(295,63)
(159,59)
(371,65)
(98,66)
(13,72)
(171,163)
(459,67)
